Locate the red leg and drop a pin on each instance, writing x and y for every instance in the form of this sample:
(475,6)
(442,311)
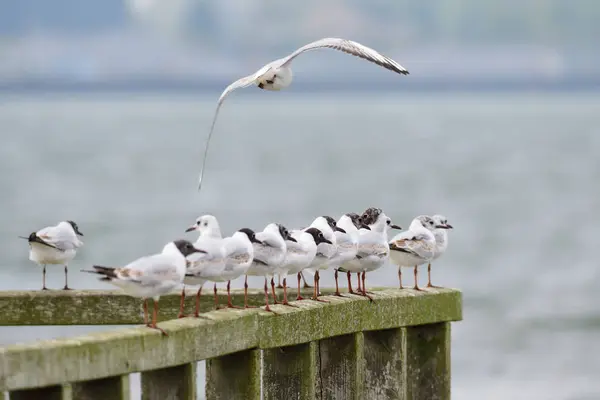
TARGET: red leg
(197,312)
(229,303)
(429,277)
(349,275)
(273,290)
(337,289)
(279,285)
(246,294)
(317,279)
(216,297)
(364,286)
(146,312)
(416,287)
(267,308)
(154,317)
(299,277)
(182,304)
(285,299)
(359,285)
(400,277)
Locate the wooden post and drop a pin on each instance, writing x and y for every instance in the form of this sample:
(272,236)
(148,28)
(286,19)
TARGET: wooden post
(234,376)
(46,393)
(290,372)
(115,387)
(384,369)
(427,362)
(175,383)
(340,363)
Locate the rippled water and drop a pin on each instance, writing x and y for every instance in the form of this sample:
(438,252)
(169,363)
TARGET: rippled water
(517,175)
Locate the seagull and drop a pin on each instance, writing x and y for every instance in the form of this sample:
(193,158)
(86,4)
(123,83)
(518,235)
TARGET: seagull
(325,250)
(373,249)
(55,245)
(415,246)
(268,256)
(299,255)
(239,250)
(151,276)
(209,267)
(441,242)
(347,245)
(277,74)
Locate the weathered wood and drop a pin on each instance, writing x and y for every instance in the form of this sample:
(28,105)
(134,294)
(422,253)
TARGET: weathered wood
(102,307)
(391,308)
(116,387)
(290,372)
(384,364)
(46,393)
(234,376)
(427,362)
(124,351)
(340,368)
(175,383)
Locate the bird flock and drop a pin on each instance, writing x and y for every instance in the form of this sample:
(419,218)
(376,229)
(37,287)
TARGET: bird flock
(354,244)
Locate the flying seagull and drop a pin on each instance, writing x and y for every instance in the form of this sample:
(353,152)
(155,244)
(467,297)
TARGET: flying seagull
(277,74)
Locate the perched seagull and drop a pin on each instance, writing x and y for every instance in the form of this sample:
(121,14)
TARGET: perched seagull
(268,256)
(441,242)
(209,267)
(326,251)
(151,276)
(239,252)
(299,254)
(55,245)
(373,249)
(277,74)
(415,246)
(347,245)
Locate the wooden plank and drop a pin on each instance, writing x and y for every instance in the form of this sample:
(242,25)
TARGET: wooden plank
(427,362)
(340,368)
(174,383)
(290,372)
(234,376)
(119,352)
(46,393)
(116,387)
(384,364)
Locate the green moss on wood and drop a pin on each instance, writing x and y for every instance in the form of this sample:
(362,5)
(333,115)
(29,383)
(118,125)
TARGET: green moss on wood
(290,372)
(234,377)
(384,368)
(222,332)
(428,362)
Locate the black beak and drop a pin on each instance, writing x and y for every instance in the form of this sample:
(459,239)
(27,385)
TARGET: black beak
(191,228)
(77,231)
(325,241)
(253,239)
(337,228)
(197,250)
(448,226)
(394,226)
(367,227)
(291,239)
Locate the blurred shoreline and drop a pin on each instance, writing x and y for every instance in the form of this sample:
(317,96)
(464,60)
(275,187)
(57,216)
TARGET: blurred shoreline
(577,84)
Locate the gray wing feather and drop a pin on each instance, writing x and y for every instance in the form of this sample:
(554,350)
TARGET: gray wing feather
(349,47)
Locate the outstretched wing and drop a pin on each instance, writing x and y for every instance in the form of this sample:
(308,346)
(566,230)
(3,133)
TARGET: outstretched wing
(240,83)
(349,47)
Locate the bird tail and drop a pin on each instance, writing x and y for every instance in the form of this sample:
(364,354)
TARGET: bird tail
(108,272)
